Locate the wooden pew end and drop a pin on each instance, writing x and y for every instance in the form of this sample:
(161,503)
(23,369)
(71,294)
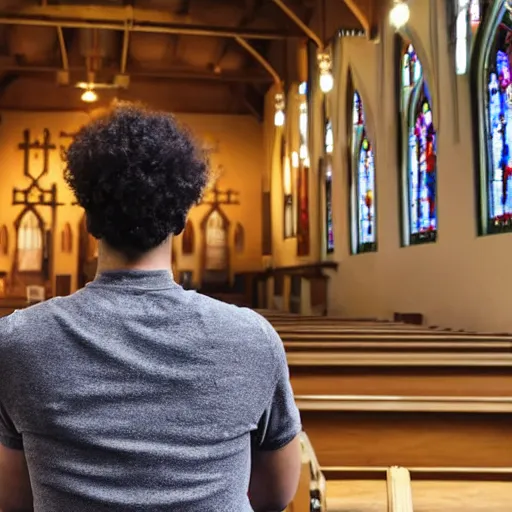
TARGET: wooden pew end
(399,490)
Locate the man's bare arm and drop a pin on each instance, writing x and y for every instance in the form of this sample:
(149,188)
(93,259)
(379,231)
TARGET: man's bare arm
(275,477)
(15,489)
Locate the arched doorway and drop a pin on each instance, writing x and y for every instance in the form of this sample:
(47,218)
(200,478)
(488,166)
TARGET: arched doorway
(215,227)
(32,253)
(29,242)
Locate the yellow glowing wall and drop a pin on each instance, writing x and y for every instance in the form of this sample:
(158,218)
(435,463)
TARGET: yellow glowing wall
(239,154)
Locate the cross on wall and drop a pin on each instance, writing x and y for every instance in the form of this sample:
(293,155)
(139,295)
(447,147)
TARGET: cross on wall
(35,194)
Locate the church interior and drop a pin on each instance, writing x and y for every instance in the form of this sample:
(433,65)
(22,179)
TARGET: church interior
(359,199)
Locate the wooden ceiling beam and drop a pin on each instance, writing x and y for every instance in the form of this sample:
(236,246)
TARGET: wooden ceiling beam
(262,60)
(181,73)
(126,18)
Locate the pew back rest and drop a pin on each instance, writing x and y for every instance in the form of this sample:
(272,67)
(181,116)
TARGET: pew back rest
(35,293)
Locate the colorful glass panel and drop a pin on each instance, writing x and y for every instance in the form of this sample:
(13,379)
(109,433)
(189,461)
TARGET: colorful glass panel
(411,68)
(475,12)
(421,169)
(422,172)
(329,228)
(303,171)
(364,182)
(499,125)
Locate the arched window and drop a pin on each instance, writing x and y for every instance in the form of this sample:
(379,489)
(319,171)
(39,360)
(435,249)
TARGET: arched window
(303,175)
(30,243)
(188,238)
(362,182)
(239,238)
(216,242)
(289,228)
(67,239)
(419,153)
(328,150)
(492,86)
(467,20)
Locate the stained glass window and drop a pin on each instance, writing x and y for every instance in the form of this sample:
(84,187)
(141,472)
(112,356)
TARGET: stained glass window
(420,169)
(495,89)
(303,175)
(329,146)
(288,212)
(468,17)
(474,12)
(363,183)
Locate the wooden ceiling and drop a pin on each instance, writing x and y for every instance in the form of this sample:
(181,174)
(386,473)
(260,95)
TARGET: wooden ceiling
(186,55)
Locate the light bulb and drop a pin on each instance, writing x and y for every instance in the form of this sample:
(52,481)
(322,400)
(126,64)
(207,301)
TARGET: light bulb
(399,14)
(89,96)
(326,81)
(279,118)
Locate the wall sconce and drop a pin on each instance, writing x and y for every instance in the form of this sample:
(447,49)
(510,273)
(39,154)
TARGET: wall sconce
(279,106)
(399,14)
(325,68)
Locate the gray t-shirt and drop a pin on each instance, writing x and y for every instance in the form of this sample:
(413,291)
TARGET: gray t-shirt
(136,395)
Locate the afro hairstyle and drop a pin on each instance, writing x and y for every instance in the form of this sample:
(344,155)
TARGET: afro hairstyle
(136,173)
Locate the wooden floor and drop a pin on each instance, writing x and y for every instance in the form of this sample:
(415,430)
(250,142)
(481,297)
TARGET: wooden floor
(428,496)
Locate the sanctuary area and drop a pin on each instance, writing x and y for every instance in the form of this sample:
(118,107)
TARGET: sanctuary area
(360,199)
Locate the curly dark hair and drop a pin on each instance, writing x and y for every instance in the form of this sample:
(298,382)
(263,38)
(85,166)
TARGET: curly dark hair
(136,173)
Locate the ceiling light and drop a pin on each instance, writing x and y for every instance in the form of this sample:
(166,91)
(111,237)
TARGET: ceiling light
(399,14)
(326,82)
(325,67)
(279,118)
(279,112)
(89,96)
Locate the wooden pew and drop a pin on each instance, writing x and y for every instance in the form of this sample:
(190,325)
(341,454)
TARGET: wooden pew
(425,431)
(448,402)
(311,494)
(476,490)
(401,374)
(399,490)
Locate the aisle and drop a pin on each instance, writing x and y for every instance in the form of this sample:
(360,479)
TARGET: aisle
(428,496)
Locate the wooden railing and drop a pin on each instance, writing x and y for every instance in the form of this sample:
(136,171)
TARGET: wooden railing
(296,289)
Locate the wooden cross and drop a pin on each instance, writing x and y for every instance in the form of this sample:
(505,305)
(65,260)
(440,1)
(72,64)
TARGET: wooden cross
(217,197)
(26,146)
(35,194)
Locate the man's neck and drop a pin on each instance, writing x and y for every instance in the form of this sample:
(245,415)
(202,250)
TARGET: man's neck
(110,260)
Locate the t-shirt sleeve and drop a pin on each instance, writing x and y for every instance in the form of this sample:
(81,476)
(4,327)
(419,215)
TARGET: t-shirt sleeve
(9,437)
(280,422)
